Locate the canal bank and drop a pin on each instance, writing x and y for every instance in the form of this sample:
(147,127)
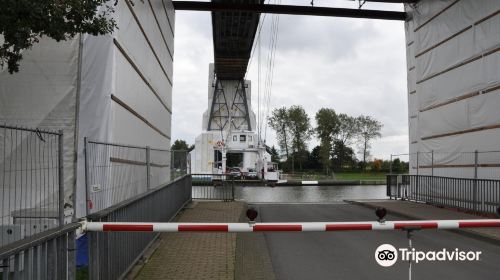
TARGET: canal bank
(330,182)
(293,183)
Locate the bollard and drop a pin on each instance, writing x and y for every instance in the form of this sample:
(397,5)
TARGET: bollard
(381,213)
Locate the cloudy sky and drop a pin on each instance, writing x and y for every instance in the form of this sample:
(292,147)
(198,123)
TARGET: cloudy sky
(354,66)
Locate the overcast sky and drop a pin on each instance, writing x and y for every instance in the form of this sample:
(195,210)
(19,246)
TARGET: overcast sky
(354,66)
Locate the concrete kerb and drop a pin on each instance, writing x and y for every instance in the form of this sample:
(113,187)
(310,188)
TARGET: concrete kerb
(463,232)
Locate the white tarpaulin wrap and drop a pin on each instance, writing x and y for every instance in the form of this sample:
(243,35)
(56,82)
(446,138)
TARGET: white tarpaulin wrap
(43,95)
(453,55)
(95,115)
(113,88)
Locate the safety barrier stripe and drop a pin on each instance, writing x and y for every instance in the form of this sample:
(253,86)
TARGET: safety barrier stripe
(289,227)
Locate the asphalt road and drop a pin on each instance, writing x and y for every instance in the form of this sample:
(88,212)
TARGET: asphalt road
(351,255)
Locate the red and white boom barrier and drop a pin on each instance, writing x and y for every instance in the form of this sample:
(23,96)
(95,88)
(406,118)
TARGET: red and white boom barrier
(269,227)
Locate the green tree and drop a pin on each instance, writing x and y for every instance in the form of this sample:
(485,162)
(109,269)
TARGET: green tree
(180,145)
(280,122)
(386,166)
(314,161)
(179,153)
(275,157)
(325,155)
(343,156)
(23,22)
(397,167)
(301,132)
(347,130)
(327,127)
(369,129)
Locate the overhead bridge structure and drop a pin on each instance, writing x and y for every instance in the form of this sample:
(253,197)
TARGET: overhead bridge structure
(234,26)
(256,7)
(233,36)
(230,132)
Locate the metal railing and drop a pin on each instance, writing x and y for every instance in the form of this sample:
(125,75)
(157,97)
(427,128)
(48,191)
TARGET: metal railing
(31,182)
(116,172)
(213,187)
(478,195)
(113,254)
(48,255)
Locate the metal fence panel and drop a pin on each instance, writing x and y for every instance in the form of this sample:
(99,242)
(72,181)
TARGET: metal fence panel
(116,172)
(112,254)
(213,187)
(46,255)
(31,190)
(477,195)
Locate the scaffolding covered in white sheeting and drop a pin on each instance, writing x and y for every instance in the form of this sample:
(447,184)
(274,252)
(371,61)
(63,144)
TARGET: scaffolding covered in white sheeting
(453,60)
(114,88)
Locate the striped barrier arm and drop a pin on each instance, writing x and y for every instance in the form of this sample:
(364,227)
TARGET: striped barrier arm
(275,227)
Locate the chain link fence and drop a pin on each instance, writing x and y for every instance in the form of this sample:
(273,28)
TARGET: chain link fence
(31,190)
(116,172)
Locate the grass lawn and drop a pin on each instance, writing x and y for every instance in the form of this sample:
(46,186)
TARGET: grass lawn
(82,273)
(340,176)
(360,176)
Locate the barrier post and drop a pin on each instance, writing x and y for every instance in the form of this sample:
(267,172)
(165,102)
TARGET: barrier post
(432,163)
(232,188)
(417,187)
(390,166)
(148,167)
(474,199)
(409,231)
(86,162)
(61,178)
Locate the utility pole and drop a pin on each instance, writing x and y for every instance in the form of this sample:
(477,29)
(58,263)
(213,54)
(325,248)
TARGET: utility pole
(390,166)
(224,157)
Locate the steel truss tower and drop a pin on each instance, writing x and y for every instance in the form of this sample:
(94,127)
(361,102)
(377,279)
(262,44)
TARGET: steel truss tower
(229,105)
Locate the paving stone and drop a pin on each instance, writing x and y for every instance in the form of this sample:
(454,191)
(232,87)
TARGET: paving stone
(188,255)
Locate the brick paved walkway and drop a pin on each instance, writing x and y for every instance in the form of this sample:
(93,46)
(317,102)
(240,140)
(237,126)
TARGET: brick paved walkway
(197,255)
(421,211)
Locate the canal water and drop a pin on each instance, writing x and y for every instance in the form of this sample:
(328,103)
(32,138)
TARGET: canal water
(309,194)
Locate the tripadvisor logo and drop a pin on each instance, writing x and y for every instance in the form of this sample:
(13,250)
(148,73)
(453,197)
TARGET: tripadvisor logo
(387,255)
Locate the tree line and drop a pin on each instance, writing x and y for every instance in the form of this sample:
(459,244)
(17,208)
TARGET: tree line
(337,134)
